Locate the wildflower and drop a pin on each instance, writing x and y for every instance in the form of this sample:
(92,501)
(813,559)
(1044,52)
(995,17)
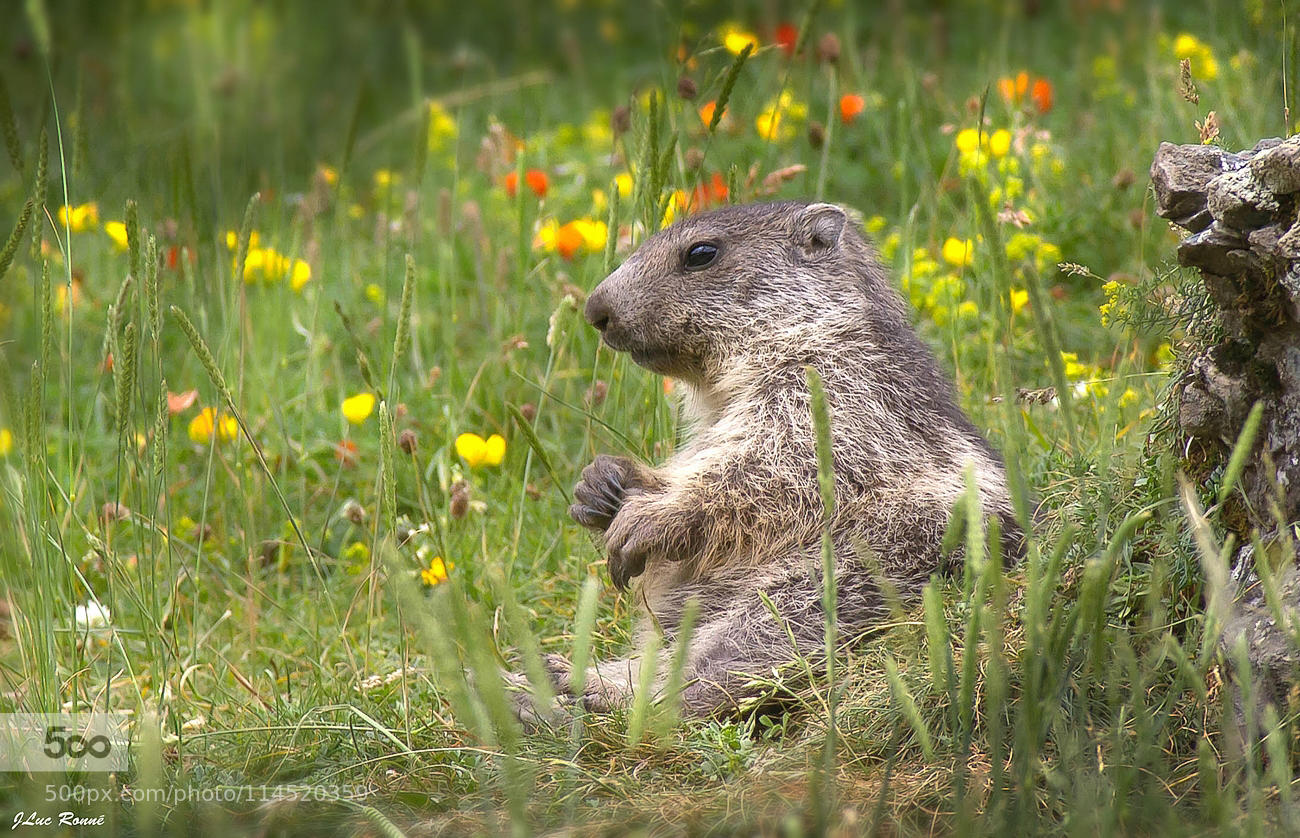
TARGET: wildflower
(736,39)
(92,615)
(232,240)
(116,231)
(874,224)
(374,293)
(477,451)
(203,426)
(787,37)
(958,252)
(346,452)
(329,174)
(535,179)
(968,140)
(6,442)
(594,233)
(299,274)
(1204,64)
(571,238)
(968,310)
(436,572)
(441,125)
(356,409)
(180,402)
(623,182)
(851,106)
(1128,397)
(1019,299)
(1000,142)
(80,218)
(772,122)
(1042,94)
(706,112)
(385,178)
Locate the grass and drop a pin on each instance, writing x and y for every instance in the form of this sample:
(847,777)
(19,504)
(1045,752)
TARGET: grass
(269,622)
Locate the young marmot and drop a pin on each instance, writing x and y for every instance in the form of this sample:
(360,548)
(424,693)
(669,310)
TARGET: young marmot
(735,304)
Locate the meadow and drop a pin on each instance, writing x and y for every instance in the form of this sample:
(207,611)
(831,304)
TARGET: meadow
(295,385)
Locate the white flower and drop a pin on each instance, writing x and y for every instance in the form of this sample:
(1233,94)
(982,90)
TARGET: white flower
(92,615)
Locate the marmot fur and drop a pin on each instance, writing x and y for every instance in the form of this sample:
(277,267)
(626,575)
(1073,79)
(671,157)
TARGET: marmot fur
(735,304)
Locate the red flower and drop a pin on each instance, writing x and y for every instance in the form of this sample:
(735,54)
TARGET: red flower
(787,36)
(707,194)
(535,178)
(345,451)
(851,105)
(1042,95)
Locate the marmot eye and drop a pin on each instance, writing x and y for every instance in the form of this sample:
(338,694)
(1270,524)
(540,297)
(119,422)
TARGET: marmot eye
(700,255)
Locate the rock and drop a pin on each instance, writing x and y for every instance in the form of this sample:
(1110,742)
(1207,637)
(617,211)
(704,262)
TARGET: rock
(1288,244)
(1216,249)
(1239,200)
(1278,168)
(1180,174)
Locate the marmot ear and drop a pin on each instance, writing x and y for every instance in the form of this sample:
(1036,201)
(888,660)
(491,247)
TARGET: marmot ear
(818,227)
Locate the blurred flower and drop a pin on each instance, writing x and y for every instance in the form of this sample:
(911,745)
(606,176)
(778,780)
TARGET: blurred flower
(202,426)
(299,274)
(1000,142)
(442,126)
(232,240)
(79,218)
(386,178)
(180,402)
(477,451)
(436,572)
(535,178)
(1019,299)
(968,140)
(851,106)
(571,238)
(773,123)
(1017,90)
(117,232)
(92,615)
(356,409)
(345,451)
(958,252)
(6,442)
(328,173)
(1204,64)
(706,112)
(735,39)
(787,37)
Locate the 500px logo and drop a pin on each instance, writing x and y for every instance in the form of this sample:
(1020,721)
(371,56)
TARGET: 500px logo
(53,742)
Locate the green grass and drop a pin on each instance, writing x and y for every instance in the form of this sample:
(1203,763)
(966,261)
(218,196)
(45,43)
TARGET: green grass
(266,608)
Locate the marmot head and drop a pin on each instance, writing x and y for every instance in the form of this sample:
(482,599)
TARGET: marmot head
(717,284)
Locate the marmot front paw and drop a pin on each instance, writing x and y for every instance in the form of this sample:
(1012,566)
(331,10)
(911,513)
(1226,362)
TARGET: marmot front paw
(600,493)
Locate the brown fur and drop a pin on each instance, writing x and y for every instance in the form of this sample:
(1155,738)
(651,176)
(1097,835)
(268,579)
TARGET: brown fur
(736,509)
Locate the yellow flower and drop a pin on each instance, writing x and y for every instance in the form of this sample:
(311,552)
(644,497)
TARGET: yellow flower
(329,173)
(441,126)
(6,442)
(593,233)
(958,252)
(1204,64)
(968,140)
(736,39)
(772,123)
(117,232)
(436,572)
(1000,142)
(356,409)
(202,426)
(874,224)
(232,240)
(1128,397)
(79,218)
(623,181)
(385,178)
(1019,299)
(300,275)
(968,310)
(477,451)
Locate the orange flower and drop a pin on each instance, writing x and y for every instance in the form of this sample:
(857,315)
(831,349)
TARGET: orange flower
(569,240)
(1042,95)
(345,451)
(707,194)
(787,36)
(706,112)
(851,105)
(535,178)
(1014,91)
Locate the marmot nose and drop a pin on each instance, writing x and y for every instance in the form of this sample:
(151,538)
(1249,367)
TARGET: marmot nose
(597,310)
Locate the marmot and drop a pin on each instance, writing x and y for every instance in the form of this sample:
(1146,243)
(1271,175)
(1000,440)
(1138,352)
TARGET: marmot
(734,304)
